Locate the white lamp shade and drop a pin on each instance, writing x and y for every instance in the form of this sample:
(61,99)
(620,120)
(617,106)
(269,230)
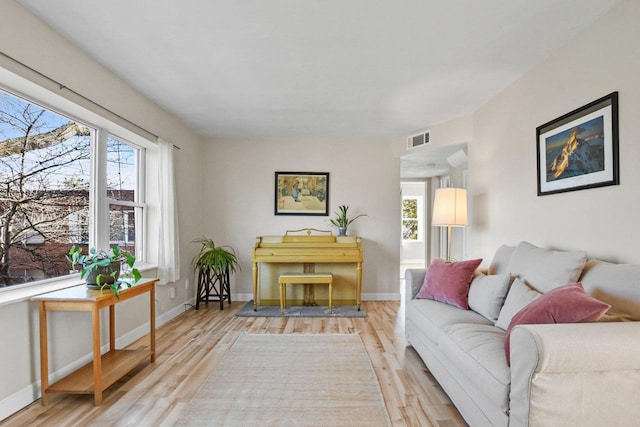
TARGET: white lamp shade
(450,207)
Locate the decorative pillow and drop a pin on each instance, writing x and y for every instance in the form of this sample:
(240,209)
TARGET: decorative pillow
(518,297)
(544,269)
(487,294)
(500,262)
(566,304)
(448,282)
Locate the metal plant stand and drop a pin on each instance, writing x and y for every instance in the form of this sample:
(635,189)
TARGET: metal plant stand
(213,286)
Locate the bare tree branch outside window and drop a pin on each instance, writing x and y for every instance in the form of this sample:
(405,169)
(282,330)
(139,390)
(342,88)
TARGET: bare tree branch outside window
(44,190)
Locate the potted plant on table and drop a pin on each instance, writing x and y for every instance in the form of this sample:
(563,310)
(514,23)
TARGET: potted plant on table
(342,221)
(100,268)
(214,264)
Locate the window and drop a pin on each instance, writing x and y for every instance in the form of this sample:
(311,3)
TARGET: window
(123,195)
(47,184)
(412,218)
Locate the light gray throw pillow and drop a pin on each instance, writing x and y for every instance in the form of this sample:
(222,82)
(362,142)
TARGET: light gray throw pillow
(519,296)
(487,294)
(545,270)
(500,262)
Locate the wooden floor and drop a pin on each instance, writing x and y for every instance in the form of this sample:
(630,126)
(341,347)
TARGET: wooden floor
(156,394)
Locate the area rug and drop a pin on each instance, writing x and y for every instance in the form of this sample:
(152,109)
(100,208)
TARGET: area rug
(300,311)
(290,380)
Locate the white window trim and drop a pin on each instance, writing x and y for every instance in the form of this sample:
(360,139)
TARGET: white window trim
(44,97)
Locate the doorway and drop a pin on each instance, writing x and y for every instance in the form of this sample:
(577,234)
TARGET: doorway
(414,230)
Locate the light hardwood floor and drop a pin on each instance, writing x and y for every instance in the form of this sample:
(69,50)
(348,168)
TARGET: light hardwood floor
(190,346)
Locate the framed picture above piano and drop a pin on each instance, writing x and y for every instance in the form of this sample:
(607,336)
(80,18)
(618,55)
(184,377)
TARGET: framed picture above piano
(302,193)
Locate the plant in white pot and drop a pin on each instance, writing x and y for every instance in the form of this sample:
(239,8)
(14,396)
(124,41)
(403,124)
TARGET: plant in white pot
(100,268)
(342,221)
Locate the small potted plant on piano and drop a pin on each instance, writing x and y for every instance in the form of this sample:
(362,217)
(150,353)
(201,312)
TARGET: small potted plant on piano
(102,269)
(342,221)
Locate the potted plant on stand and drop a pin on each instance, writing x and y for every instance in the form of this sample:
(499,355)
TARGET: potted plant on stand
(214,265)
(100,268)
(342,221)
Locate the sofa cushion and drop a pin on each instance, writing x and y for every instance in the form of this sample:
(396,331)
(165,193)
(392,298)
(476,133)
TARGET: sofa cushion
(500,262)
(431,316)
(477,352)
(518,297)
(487,294)
(544,269)
(448,282)
(566,304)
(616,284)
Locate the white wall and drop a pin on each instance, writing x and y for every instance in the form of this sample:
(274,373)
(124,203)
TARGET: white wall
(602,59)
(29,41)
(238,200)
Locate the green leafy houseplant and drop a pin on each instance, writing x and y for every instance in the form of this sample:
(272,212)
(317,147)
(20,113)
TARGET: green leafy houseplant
(103,268)
(217,258)
(342,221)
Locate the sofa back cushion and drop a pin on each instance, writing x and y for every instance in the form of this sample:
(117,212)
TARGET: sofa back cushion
(616,284)
(500,262)
(543,269)
(519,296)
(487,294)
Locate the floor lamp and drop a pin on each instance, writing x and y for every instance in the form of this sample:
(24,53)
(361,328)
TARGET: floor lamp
(449,210)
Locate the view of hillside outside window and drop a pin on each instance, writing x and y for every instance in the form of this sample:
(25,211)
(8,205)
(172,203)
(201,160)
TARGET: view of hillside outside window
(46,184)
(410,218)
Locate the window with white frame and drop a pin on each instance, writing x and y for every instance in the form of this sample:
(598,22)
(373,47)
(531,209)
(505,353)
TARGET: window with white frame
(51,172)
(125,200)
(412,227)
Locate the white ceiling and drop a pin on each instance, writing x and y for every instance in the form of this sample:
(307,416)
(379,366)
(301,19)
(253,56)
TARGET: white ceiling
(427,162)
(318,68)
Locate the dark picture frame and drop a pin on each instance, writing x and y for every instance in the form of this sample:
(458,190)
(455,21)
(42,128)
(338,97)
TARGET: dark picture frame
(301,193)
(579,150)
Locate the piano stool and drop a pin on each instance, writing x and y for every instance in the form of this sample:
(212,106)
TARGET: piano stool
(306,279)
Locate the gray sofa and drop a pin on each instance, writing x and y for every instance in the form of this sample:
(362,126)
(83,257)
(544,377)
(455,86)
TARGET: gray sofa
(574,374)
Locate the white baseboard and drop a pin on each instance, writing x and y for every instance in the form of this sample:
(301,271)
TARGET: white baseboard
(394,296)
(16,401)
(31,393)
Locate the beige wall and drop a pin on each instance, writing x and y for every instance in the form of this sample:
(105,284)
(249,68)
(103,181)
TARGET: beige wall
(603,221)
(27,40)
(238,198)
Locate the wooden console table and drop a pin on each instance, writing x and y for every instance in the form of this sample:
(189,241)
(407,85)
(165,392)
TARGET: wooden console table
(107,368)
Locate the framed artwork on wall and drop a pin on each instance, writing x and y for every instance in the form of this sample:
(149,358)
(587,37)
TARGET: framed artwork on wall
(302,193)
(580,149)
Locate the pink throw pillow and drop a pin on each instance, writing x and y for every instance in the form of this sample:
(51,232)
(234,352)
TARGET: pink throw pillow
(566,304)
(448,282)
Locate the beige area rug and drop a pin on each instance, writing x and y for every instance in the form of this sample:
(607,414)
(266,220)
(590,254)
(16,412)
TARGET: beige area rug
(290,380)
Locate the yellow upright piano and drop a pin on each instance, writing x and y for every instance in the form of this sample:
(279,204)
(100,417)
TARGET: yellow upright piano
(306,250)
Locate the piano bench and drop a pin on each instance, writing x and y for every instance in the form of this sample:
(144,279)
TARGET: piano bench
(306,279)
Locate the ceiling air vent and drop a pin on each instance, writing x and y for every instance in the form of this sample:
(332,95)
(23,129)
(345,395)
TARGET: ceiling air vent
(417,140)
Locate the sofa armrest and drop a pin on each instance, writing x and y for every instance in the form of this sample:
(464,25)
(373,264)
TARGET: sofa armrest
(414,278)
(582,374)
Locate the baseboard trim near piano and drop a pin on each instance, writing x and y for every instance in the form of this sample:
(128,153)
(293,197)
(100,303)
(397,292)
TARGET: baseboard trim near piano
(381,296)
(365,297)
